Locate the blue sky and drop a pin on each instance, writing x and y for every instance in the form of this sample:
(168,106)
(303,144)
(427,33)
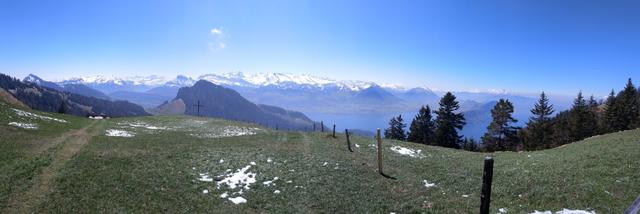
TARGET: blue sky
(522,46)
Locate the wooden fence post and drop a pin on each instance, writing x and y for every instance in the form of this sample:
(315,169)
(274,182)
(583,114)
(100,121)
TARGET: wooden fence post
(334,131)
(379,151)
(487,177)
(314,126)
(321,126)
(346,131)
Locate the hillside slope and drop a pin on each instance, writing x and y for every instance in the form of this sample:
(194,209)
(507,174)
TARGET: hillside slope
(188,164)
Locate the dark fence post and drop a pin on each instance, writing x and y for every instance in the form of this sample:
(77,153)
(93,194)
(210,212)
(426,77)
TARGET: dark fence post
(321,126)
(487,177)
(314,126)
(346,131)
(334,130)
(379,151)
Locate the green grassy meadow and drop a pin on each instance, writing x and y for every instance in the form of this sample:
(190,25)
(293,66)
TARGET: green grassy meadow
(166,164)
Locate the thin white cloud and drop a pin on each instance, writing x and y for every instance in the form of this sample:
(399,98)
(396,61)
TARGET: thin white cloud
(218,41)
(216,46)
(216,31)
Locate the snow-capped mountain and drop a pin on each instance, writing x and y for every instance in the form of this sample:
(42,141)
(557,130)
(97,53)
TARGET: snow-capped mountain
(32,78)
(111,84)
(283,81)
(71,88)
(180,81)
(152,80)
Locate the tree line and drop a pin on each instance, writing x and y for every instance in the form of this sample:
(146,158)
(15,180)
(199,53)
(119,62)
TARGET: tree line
(587,117)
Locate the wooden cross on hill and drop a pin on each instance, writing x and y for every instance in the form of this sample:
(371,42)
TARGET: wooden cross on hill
(198,105)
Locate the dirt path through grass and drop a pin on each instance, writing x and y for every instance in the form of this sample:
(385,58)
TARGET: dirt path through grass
(70,143)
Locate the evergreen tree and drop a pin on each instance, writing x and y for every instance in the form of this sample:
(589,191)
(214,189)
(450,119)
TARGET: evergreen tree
(470,145)
(598,113)
(63,107)
(561,129)
(625,111)
(539,131)
(582,122)
(609,112)
(592,103)
(396,129)
(448,122)
(500,134)
(422,127)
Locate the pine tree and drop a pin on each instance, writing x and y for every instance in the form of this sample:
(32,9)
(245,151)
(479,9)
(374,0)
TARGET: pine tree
(500,134)
(592,103)
(597,112)
(63,107)
(470,145)
(561,129)
(422,127)
(582,122)
(448,122)
(609,116)
(396,129)
(388,132)
(539,131)
(625,111)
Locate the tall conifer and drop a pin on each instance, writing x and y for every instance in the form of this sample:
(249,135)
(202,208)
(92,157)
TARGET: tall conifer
(422,127)
(448,122)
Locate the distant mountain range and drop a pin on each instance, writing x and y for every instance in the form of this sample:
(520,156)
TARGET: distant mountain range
(69,87)
(41,95)
(320,97)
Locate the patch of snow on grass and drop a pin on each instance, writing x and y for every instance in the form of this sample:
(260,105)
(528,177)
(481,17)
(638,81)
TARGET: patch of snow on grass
(146,126)
(502,210)
(325,163)
(357,146)
(205,191)
(268,183)
(238,200)
(269,160)
(465,196)
(119,133)
(427,184)
(221,161)
(205,178)
(276,192)
(24,125)
(565,211)
(406,151)
(22,113)
(241,178)
(228,131)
